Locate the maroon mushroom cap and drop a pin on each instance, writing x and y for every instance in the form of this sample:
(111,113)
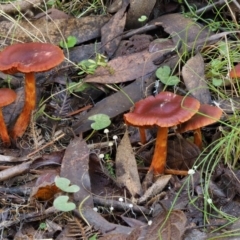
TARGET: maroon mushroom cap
(7,96)
(30,57)
(206,115)
(165,110)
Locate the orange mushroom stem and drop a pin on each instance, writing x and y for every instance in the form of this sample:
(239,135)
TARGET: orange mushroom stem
(142,133)
(198,138)
(7,96)
(160,152)
(4,132)
(29,105)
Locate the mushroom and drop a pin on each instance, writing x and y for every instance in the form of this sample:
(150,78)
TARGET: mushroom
(7,96)
(164,110)
(28,58)
(235,72)
(206,115)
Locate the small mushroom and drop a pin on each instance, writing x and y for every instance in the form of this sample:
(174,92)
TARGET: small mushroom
(165,110)
(28,58)
(206,115)
(7,96)
(235,72)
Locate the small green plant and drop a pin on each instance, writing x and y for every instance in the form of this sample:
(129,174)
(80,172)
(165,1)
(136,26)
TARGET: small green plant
(61,202)
(101,121)
(78,86)
(89,66)
(164,75)
(109,165)
(93,237)
(143,18)
(42,226)
(64,184)
(69,43)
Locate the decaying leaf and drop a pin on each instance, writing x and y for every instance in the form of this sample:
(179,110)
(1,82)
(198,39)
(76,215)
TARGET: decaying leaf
(181,154)
(45,187)
(167,226)
(182,28)
(127,68)
(137,9)
(119,99)
(111,31)
(126,167)
(193,76)
(83,29)
(75,168)
(134,235)
(156,188)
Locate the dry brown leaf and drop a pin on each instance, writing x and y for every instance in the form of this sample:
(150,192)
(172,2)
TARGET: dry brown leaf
(194,79)
(127,68)
(137,9)
(111,31)
(181,154)
(75,168)
(126,167)
(156,188)
(166,226)
(182,28)
(119,99)
(45,187)
(83,29)
(116,236)
(134,235)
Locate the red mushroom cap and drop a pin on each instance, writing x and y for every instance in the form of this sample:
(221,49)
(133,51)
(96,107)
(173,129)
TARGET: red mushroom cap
(7,96)
(235,72)
(165,110)
(206,115)
(30,57)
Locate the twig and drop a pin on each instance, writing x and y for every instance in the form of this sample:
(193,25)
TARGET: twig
(19,6)
(46,145)
(210,6)
(119,205)
(15,171)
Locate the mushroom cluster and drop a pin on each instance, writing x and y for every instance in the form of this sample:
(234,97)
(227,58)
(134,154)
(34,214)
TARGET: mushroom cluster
(167,110)
(28,58)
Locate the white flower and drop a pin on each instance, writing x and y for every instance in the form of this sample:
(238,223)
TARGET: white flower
(149,222)
(110,144)
(115,137)
(111,209)
(120,199)
(209,200)
(130,205)
(95,209)
(191,171)
(106,131)
(101,156)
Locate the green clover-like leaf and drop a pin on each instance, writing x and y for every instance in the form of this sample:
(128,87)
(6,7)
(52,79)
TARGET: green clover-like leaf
(61,203)
(143,18)
(172,81)
(101,121)
(63,184)
(70,42)
(217,82)
(163,74)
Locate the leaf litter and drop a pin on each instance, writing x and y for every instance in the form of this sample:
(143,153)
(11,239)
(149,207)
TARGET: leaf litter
(114,199)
